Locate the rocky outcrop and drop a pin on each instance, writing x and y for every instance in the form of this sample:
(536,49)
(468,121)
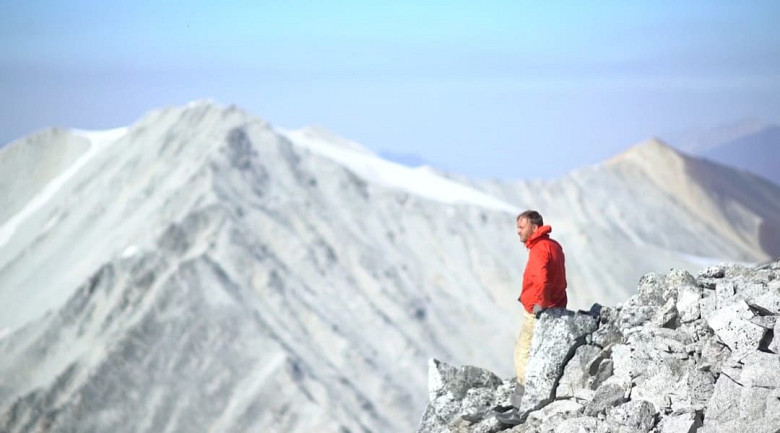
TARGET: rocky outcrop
(684,354)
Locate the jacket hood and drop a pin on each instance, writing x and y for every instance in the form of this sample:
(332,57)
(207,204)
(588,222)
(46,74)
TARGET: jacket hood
(540,233)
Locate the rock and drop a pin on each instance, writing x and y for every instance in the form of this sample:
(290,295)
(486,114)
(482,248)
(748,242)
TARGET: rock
(759,369)
(732,325)
(666,316)
(713,355)
(675,358)
(688,303)
(652,290)
(604,372)
(676,280)
(607,334)
(635,315)
(679,422)
(557,335)
(766,322)
(574,382)
(634,416)
(611,393)
(708,304)
(712,272)
(549,417)
(452,391)
(583,424)
(721,406)
(700,386)
(774,344)
(725,291)
(768,302)
(733,405)
(625,364)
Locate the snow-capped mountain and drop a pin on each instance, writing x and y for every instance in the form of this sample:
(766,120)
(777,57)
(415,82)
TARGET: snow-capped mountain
(203,270)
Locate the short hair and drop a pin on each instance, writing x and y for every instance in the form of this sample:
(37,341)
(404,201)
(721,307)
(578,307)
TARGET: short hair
(533,216)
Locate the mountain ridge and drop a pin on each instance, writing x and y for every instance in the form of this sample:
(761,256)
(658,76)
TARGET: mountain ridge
(284,285)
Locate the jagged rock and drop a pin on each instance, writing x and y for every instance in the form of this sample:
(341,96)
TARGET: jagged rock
(713,355)
(700,386)
(632,316)
(758,369)
(607,334)
(625,364)
(708,304)
(688,297)
(774,345)
(768,301)
(604,372)
(676,358)
(679,422)
(725,292)
(734,407)
(574,382)
(611,393)
(557,335)
(633,416)
(666,316)
(766,322)
(651,290)
(712,272)
(549,417)
(676,280)
(452,390)
(584,424)
(732,325)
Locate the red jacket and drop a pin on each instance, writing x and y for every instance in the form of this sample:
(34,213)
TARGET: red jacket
(544,279)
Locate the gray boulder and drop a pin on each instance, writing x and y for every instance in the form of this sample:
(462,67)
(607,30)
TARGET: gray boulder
(680,422)
(584,424)
(557,336)
(454,392)
(634,416)
(612,392)
(732,325)
(576,374)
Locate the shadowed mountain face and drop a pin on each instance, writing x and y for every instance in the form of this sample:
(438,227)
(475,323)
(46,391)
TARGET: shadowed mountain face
(201,270)
(757,153)
(751,145)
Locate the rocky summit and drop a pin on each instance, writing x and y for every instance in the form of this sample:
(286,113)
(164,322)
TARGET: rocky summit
(684,354)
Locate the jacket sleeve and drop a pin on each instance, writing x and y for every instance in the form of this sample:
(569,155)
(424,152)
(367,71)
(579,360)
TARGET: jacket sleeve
(539,257)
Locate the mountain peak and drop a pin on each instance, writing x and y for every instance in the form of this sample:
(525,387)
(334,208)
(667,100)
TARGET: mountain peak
(647,153)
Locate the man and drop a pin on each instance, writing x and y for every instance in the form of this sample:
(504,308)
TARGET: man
(544,286)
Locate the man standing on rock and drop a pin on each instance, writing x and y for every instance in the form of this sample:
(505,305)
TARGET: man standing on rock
(544,286)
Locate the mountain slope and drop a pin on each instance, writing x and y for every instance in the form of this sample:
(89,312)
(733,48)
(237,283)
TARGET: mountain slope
(203,270)
(270,283)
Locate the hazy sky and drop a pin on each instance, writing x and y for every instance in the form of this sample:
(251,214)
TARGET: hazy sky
(488,89)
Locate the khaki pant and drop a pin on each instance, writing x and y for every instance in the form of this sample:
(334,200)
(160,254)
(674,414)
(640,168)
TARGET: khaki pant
(523,345)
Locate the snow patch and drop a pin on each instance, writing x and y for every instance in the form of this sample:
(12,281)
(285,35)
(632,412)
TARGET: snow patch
(423,183)
(129,251)
(99,141)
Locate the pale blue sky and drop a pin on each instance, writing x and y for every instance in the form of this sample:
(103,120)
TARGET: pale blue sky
(507,89)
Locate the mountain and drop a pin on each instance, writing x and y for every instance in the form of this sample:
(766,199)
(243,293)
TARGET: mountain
(758,153)
(653,208)
(750,145)
(204,270)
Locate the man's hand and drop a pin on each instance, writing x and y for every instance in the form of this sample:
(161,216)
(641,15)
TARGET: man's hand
(537,310)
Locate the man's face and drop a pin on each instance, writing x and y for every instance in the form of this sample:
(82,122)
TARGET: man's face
(525,229)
